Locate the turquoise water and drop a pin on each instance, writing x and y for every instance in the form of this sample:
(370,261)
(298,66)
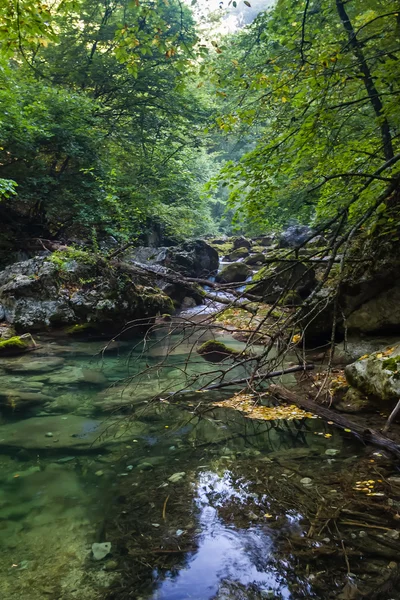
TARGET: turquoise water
(197,501)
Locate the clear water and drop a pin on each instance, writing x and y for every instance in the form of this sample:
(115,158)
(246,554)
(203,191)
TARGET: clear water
(86,456)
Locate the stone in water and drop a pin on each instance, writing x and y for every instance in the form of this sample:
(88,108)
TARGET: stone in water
(100,551)
(176,477)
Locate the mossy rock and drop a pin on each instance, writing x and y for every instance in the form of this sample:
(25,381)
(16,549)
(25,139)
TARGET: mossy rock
(255,259)
(292,298)
(17,345)
(79,329)
(280,279)
(215,351)
(239,253)
(235,273)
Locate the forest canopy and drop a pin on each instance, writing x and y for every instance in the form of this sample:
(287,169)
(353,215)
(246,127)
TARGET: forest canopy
(122,117)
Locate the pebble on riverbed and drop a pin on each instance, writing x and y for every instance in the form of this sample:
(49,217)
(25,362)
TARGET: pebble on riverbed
(101,550)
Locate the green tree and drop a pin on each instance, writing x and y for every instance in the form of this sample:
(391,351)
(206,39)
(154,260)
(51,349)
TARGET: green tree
(318,83)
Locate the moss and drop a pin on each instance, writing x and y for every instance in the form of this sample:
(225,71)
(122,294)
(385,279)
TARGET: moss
(392,364)
(292,298)
(63,258)
(216,351)
(222,249)
(239,253)
(78,328)
(15,345)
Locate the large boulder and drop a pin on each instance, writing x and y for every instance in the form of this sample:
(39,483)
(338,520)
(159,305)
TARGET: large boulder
(294,236)
(74,287)
(276,280)
(241,242)
(234,273)
(237,254)
(191,259)
(377,375)
(368,291)
(255,259)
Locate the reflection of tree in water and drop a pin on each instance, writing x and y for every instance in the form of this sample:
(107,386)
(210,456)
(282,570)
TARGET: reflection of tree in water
(249,474)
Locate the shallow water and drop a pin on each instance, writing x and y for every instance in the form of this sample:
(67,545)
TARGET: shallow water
(198,501)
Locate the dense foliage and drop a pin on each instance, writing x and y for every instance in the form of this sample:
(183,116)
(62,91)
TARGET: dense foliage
(101,120)
(317,82)
(115,113)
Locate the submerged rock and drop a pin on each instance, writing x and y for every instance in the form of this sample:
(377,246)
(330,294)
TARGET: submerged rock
(377,375)
(73,432)
(354,402)
(101,550)
(34,365)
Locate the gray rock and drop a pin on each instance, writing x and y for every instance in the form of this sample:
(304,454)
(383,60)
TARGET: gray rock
(101,550)
(377,375)
(241,242)
(235,273)
(255,259)
(193,259)
(275,280)
(35,295)
(294,236)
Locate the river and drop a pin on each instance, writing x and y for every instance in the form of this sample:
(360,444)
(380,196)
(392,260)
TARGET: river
(197,501)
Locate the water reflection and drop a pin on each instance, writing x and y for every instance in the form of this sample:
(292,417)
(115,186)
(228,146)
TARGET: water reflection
(225,556)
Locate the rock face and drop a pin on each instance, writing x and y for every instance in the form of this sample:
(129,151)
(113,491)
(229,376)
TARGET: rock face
(377,375)
(275,280)
(234,273)
(60,289)
(192,259)
(369,291)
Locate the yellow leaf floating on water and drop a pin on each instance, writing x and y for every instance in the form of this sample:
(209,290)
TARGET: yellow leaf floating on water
(246,403)
(268,516)
(347,430)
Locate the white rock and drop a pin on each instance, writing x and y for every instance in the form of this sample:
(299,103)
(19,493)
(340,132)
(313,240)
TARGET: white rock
(306,480)
(176,477)
(331,452)
(100,551)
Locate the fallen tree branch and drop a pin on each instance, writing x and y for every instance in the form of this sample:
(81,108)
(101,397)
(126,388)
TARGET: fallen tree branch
(245,380)
(369,436)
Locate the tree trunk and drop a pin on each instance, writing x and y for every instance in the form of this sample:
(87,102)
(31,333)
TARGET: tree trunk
(368,80)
